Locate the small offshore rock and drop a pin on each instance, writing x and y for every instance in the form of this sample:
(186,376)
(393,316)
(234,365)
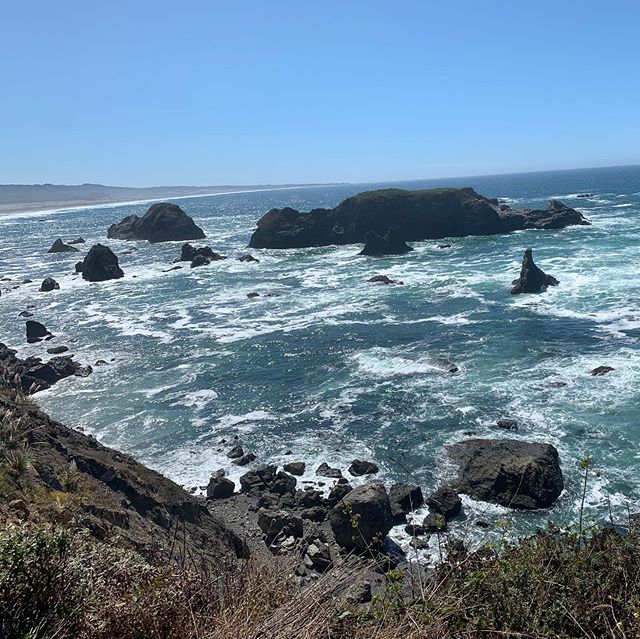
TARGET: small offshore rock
(601,370)
(101,264)
(60,247)
(383,279)
(245,460)
(36,331)
(57,350)
(324,470)
(507,424)
(361,467)
(390,244)
(247,258)
(49,284)
(532,279)
(236,452)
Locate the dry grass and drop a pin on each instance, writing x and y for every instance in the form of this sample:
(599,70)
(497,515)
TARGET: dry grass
(59,584)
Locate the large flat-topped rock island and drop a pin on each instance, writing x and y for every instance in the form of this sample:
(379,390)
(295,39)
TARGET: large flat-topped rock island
(420,215)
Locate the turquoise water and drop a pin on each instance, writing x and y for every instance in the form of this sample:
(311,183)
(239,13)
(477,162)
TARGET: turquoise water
(332,367)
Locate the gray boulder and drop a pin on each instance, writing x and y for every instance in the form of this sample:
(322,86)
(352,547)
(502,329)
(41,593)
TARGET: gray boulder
(363,518)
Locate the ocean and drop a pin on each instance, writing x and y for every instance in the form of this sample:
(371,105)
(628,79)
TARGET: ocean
(331,367)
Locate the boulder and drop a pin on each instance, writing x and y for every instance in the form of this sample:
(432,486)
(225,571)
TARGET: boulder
(362,519)
(101,264)
(295,468)
(49,284)
(60,247)
(163,222)
(258,480)
(245,460)
(324,470)
(404,498)
(361,467)
(434,523)
(220,488)
(445,501)
(508,472)
(36,331)
(78,240)
(420,215)
(601,370)
(392,243)
(247,257)
(79,266)
(274,523)
(532,279)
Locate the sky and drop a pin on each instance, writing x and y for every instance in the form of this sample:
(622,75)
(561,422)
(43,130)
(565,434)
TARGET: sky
(206,92)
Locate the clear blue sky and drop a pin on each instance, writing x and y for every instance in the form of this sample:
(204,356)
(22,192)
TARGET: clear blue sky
(229,91)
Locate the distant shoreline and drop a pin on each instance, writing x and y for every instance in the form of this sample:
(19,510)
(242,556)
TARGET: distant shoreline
(64,205)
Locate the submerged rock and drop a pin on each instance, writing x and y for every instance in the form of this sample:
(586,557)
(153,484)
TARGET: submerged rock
(60,247)
(363,518)
(163,222)
(420,215)
(383,279)
(49,284)
(507,424)
(532,279)
(601,370)
(508,472)
(78,240)
(101,264)
(247,257)
(392,243)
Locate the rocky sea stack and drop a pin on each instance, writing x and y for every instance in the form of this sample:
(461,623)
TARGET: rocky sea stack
(100,264)
(60,247)
(419,215)
(532,279)
(163,222)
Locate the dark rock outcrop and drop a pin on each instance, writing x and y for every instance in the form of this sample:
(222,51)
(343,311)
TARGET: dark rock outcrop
(509,472)
(532,279)
(420,215)
(60,247)
(36,331)
(445,501)
(101,264)
(392,243)
(404,498)
(49,284)
(247,257)
(32,374)
(79,266)
(78,240)
(163,222)
(507,424)
(324,470)
(295,468)
(363,518)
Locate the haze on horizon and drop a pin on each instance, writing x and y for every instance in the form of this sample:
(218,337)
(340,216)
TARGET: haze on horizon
(152,93)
